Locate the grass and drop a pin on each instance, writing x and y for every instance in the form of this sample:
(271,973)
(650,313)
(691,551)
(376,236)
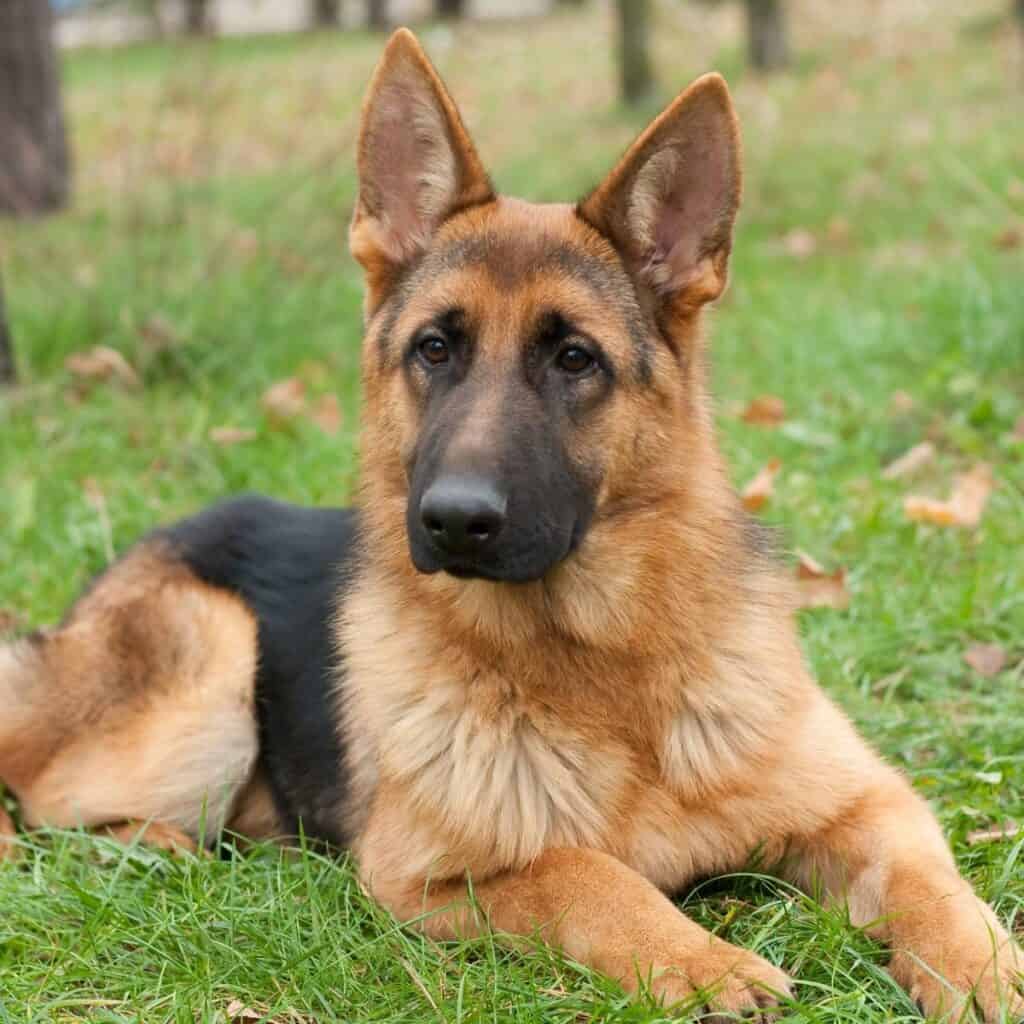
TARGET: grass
(207,246)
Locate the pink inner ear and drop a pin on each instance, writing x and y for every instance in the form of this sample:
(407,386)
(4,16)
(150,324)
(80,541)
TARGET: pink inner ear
(410,170)
(689,212)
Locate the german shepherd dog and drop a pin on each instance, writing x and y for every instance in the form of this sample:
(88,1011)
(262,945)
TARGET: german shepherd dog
(546,652)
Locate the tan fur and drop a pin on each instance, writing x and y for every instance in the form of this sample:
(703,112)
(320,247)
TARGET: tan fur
(573,747)
(161,667)
(643,714)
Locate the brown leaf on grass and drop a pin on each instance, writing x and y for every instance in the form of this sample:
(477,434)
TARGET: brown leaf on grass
(93,491)
(986,659)
(226,436)
(760,488)
(838,231)
(1007,830)
(1011,237)
(765,411)
(9,849)
(9,621)
(327,414)
(1017,434)
(102,364)
(964,507)
(239,1013)
(900,403)
(800,243)
(158,334)
(817,588)
(910,461)
(285,400)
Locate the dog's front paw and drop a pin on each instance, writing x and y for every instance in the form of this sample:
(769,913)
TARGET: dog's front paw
(728,980)
(972,965)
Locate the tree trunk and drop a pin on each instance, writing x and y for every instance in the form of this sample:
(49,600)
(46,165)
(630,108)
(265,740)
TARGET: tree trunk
(449,8)
(377,13)
(326,13)
(766,28)
(634,61)
(197,17)
(7,374)
(34,163)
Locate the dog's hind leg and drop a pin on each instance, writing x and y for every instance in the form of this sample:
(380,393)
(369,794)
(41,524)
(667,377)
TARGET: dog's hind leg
(138,708)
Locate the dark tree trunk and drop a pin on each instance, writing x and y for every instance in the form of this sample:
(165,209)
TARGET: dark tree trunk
(326,13)
(449,8)
(7,374)
(766,28)
(34,163)
(377,13)
(634,60)
(197,17)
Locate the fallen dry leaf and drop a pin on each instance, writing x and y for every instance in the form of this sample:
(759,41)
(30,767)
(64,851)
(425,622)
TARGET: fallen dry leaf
(285,400)
(158,334)
(800,243)
(93,491)
(965,506)
(838,231)
(910,462)
(238,1012)
(986,659)
(993,835)
(101,363)
(765,411)
(327,415)
(817,588)
(760,488)
(9,621)
(231,435)
(900,402)
(1011,237)
(1017,434)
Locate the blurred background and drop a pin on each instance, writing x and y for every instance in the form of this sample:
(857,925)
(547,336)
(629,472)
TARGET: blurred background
(180,319)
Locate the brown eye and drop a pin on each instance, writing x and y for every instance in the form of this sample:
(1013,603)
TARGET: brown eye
(433,350)
(575,360)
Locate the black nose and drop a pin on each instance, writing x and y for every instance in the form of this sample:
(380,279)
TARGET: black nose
(462,514)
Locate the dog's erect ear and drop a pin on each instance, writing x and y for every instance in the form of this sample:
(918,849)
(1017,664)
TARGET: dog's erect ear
(416,163)
(670,203)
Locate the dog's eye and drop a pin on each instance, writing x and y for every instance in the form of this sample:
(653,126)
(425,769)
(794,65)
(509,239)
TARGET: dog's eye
(575,360)
(433,350)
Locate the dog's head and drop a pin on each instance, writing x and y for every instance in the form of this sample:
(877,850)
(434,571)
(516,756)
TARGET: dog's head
(530,370)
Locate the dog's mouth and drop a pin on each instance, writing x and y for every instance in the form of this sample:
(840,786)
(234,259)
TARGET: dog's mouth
(525,563)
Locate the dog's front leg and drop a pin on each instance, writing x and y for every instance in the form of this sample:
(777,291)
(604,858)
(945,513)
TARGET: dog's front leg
(603,914)
(887,857)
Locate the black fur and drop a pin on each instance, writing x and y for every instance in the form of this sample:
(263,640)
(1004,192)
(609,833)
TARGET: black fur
(290,565)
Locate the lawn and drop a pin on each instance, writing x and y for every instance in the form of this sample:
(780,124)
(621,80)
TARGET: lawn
(878,289)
